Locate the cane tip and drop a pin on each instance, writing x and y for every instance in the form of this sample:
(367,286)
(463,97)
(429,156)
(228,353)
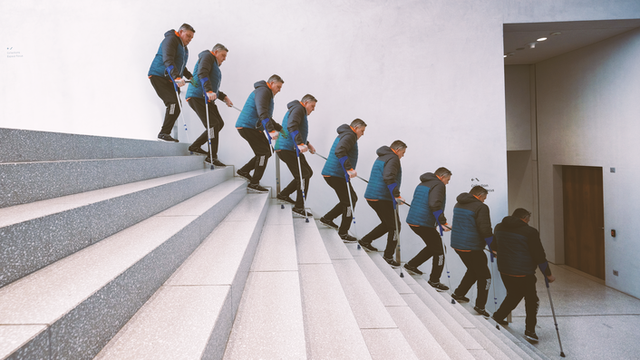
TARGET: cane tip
(562,354)
(281,206)
(453,301)
(401,274)
(306,220)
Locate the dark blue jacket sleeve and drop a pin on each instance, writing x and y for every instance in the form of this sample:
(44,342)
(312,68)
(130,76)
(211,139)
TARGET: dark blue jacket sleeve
(390,173)
(295,119)
(345,144)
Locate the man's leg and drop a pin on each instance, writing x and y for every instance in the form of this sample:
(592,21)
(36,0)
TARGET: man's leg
(290,159)
(165,90)
(515,293)
(379,230)
(531,302)
(469,277)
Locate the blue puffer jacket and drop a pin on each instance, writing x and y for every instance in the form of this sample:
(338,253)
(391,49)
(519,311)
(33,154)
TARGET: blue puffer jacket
(206,68)
(259,106)
(345,144)
(519,248)
(294,119)
(170,53)
(386,170)
(430,196)
(471,223)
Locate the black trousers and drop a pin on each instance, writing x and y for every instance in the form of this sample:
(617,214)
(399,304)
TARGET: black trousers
(433,248)
(215,121)
(260,146)
(165,90)
(339,185)
(518,288)
(477,272)
(385,212)
(290,158)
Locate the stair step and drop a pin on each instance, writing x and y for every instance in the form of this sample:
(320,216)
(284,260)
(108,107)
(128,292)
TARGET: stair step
(207,281)
(269,323)
(497,350)
(85,298)
(37,234)
(27,182)
(331,327)
(28,145)
(372,315)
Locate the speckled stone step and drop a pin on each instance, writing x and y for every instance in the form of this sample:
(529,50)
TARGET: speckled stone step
(73,307)
(191,315)
(269,323)
(26,182)
(331,327)
(37,234)
(373,316)
(27,145)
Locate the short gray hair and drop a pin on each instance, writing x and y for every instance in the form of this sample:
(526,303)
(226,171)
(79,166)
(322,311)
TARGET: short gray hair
(219,47)
(398,145)
(442,172)
(275,78)
(358,123)
(187,27)
(308,98)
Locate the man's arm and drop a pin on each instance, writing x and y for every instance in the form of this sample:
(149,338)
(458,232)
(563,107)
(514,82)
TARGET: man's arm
(345,144)
(536,250)
(169,48)
(483,222)
(296,116)
(436,201)
(263,106)
(390,172)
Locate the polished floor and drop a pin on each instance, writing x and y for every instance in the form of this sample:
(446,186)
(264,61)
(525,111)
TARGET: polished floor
(594,321)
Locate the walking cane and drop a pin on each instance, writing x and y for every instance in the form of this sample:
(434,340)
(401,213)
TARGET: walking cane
(304,200)
(348,179)
(489,240)
(206,105)
(395,219)
(444,248)
(543,267)
(175,86)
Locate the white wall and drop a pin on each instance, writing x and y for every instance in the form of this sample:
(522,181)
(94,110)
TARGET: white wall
(587,116)
(427,72)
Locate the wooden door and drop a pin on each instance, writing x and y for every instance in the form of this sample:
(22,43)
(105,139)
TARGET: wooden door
(584,219)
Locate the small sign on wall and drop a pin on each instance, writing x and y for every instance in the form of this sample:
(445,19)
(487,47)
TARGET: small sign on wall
(476,182)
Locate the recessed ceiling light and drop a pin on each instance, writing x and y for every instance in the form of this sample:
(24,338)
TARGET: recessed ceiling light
(541,39)
(532,45)
(555,33)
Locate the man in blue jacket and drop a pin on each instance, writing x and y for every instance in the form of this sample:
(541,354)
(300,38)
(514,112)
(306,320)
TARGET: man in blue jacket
(207,80)
(427,212)
(295,122)
(519,253)
(167,67)
(470,234)
(254,120)
(345,147)
(386,174)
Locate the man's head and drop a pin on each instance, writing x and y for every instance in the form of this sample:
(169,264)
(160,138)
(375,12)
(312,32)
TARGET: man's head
(522,214)
(358,126)
(185,33)
(220,51)
(479,192)
(275,84)
(399,147)
(443,174)
(309,103)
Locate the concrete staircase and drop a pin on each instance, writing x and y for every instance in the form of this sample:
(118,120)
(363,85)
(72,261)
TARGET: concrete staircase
(130,249)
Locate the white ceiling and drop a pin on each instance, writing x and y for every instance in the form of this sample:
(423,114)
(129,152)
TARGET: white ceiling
(573,35)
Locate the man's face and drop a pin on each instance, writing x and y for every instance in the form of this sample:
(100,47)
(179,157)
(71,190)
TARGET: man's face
(220,55)
(186,36)
(275,87)
(310,106)
(446,179)
(359,131)
(400,153)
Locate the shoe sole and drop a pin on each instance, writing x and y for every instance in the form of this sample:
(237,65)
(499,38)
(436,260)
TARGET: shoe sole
(530,338)
(367,250)
(412,272)
(286,201)
(348,241)
(502,323)
(244,177)
(461,300)
(168,141)
(257,191)
(329,226)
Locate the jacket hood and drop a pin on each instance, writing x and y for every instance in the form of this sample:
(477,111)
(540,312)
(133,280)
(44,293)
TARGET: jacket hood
(512,222)
(466,198)
(343,129)
(428,176)
(170,33)
(294,103)
(261,83)
(384,150)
